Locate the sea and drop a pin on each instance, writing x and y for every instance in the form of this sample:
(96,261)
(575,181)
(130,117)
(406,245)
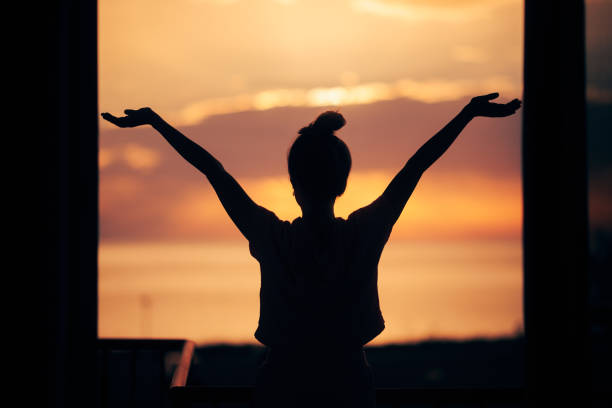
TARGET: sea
(209,291)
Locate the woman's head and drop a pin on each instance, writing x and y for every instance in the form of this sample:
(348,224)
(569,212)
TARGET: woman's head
(319,162)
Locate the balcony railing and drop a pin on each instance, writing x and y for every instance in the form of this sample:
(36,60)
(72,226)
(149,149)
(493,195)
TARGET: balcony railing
(153,373)
(140,373)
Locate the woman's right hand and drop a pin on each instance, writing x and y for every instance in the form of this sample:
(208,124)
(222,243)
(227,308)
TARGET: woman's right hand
(482,106)
(132,118)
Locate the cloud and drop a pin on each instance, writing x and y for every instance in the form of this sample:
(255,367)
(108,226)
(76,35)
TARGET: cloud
(418,10)
(473,191)
(468,54)
(105,157)
(380,135)
(140,157)
(229,2)
(453,4)
(215,2)
(429,91)
(134,155)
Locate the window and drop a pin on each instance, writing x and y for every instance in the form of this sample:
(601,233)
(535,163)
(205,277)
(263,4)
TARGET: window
(241,78)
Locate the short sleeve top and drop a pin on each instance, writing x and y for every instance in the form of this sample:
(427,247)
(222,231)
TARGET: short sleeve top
(320,288)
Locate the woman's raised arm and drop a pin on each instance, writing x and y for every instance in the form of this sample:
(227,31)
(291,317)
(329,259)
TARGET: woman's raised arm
(397,193)
(242,210)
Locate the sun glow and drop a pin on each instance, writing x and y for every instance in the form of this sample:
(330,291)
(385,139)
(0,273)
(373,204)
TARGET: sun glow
(445,206)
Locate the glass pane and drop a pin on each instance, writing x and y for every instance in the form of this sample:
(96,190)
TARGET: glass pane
(240,78)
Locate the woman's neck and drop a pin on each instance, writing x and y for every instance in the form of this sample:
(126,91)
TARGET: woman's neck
(320,212)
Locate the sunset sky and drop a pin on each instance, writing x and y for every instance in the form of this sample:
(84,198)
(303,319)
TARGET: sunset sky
(241,77)
(194,58)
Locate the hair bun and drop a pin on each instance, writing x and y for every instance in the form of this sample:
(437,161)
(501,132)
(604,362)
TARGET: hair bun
(329,121)
(325,124)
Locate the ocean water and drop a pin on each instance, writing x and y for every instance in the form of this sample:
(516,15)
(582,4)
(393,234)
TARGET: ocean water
(209,292)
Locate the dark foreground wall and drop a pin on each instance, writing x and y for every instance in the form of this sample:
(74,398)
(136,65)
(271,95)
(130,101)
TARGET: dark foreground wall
(555,226)
(64,113)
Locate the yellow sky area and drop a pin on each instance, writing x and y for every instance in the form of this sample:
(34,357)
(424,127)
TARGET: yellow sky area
(194,58)
(437,10)
(444,206)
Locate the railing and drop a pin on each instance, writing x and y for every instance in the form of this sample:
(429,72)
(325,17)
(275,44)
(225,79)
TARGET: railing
(153,373)
(386,397)
(139,373)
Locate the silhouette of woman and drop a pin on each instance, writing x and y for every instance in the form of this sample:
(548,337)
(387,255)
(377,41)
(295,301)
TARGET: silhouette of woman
(319,298)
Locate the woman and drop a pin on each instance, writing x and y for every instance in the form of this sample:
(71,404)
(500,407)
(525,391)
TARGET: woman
(319,298)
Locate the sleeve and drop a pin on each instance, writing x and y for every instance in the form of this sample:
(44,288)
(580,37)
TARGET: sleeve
(373,224)
(269,233)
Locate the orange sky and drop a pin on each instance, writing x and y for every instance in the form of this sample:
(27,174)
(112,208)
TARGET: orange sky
(149,193)
(392,67)
(241,77)
(193,58)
